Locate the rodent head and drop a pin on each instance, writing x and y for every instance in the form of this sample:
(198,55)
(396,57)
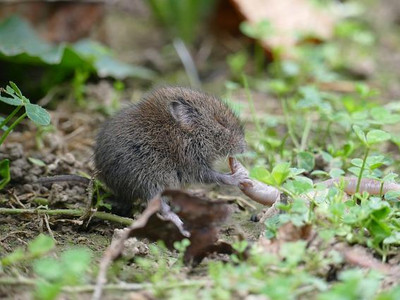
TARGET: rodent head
(207,121)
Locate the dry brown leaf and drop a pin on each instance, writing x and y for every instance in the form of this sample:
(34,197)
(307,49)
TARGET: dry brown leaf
(286,233)
(288,19)
(201,218)
(358,256)
(59,21)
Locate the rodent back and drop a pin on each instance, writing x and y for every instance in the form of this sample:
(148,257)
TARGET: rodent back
(165,139)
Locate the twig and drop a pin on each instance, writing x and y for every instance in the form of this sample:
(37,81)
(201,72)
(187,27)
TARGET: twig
(15,197)
(46,221)
(117,246)
(110,287)
(67,212)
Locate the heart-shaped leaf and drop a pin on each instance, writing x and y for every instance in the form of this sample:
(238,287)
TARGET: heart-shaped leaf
(37,114)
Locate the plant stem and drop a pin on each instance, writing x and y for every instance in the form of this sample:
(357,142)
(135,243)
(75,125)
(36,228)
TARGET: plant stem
(5,121)
(289,125)
(67,212)
(305,135)
(362,169)
(251,102)
(7,132)
(110,287)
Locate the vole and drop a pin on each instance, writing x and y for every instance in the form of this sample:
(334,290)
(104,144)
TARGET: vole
(170,138)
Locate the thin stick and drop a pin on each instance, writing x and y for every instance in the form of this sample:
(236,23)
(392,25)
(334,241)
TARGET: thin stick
(110,287)
(67,212)
(46,222)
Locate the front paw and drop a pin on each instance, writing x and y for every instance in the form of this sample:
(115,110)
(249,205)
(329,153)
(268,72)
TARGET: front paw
(239,179)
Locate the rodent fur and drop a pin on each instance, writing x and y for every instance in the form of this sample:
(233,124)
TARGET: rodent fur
(169,138)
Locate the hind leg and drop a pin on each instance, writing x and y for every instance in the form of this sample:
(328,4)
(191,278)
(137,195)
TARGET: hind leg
(169,215)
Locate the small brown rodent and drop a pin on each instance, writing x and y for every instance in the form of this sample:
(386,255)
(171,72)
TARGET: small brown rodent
(168,139)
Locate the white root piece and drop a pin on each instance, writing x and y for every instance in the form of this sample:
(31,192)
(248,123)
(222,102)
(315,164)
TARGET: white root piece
(372,186)
(255,190)
(268,195)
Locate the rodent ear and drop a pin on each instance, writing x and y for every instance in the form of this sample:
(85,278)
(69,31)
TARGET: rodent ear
(183,113)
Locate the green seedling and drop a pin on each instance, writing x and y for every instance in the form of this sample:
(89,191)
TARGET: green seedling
(54,274)
(34,112)
(373,137)
(37,248)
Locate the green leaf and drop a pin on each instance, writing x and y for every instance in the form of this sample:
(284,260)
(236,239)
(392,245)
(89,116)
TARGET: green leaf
(41,245)
(280,172)
(319,173)
(107,66)
(390,177)
(18,38)
(383,116)
(393,239)
(348,148)
(19,42)
(4,173)
(357,162)
(375,160)
(336,173)
(299,185)
(47,291)
(392,195)
(305,160)
(360,134)
(49,268)
(261,174)
(37,114)
(356,171)
(16,256)
(379,230)
(293,252)
(16,89)
(377,136)
(11,101)
(37,162)
(76,261)
(381,213)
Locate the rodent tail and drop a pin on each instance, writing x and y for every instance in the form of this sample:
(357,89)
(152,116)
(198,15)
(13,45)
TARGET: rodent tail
(64,178)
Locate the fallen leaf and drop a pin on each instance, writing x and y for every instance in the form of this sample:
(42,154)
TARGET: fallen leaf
(288,19)
(200,217)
